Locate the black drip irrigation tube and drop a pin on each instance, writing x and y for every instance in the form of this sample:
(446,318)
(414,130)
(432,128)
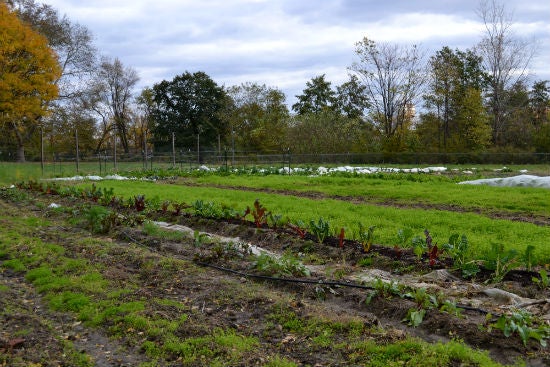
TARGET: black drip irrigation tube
(287,280)
(297,280)
(318,282)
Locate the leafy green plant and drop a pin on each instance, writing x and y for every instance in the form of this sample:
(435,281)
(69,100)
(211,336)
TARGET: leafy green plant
(385,289)
(457,248)
(107,196)
(206,210)
(415,316)
(286,265)
(544,281)
(96,219)
(366,237)
(422,298)
(450,307)
(403,237)
(522,322)
(419,246)
(529,257)
(199,238)
(320,229)
(276,220)
(500,261)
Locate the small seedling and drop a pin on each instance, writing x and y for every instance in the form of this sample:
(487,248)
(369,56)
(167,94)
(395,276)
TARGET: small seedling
(199,238)
(366,237)
(543,282)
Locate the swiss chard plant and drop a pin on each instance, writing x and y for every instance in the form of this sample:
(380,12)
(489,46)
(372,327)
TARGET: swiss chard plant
(139,203)
(458,249)
(341,237)
(523,324)
(542,280)
(500,261)
(366,237)
(260,214)
(321,229)
(298,228)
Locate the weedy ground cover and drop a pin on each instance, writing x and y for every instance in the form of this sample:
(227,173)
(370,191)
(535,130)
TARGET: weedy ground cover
(162,310)
(482,231)
(400,188)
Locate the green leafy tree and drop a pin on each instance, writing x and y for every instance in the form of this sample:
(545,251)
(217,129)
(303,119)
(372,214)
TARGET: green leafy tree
(190,106)
(144,118)
(455,79)
(519,124)
(258,117)
(539,101)
(325,132)
(318,96)
(351,98)
(27,81)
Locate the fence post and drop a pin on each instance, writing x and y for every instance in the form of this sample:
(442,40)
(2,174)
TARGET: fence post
(225,159)
(288,152)
(42,148)
(173,150)
(77,152)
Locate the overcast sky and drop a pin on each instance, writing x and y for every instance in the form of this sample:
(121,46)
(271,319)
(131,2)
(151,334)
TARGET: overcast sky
(285,43)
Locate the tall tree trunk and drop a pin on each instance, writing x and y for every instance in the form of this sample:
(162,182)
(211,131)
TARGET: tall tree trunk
(20,153)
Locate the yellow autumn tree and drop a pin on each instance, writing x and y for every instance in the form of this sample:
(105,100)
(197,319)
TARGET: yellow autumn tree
(28,71)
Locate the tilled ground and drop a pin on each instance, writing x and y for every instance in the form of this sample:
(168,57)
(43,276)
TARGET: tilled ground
(31,334)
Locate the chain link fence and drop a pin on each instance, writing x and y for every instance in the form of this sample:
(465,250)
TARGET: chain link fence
(107,162)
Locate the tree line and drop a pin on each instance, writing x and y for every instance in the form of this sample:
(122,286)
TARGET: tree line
(57,91)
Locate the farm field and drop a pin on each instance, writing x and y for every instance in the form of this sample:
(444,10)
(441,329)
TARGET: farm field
(319,271)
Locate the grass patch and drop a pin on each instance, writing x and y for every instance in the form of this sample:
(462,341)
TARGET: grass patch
(481,231)
(401,188)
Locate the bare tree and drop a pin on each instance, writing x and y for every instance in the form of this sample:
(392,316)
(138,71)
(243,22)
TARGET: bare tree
(393,76)
(114,85)
(506,59)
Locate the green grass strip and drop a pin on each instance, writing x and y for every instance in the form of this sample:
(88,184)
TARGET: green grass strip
(481,231)
(403,188)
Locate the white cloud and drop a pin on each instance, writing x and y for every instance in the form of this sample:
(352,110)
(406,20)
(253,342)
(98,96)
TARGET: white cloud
(282,43)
